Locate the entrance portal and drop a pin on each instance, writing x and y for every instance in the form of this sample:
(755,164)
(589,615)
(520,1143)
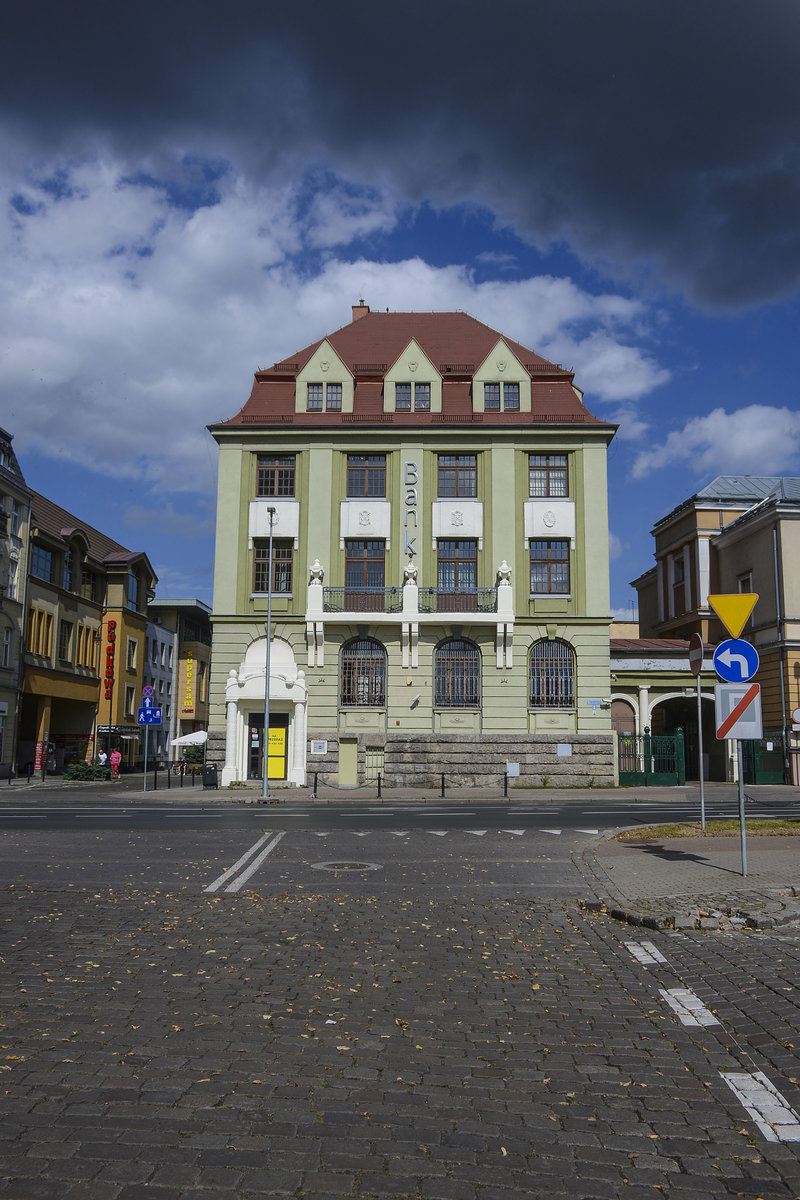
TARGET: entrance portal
(277,746)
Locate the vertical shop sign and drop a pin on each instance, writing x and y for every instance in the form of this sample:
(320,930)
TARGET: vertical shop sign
(188,691)
(111,639)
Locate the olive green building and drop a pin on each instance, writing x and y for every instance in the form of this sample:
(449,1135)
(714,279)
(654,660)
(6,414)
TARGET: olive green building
(421,503)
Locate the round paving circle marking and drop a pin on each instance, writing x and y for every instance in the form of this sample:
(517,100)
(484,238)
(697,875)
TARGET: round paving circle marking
(346,866)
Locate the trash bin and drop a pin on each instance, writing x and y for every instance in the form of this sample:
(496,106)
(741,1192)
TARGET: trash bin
(210,777)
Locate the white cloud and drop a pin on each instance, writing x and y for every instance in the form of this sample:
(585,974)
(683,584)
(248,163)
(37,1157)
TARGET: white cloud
(144,320)
(615,547)
(756,440)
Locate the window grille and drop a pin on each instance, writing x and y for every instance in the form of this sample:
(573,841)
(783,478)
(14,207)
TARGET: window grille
(548,474)
(552,675)
(457,674)
(363,674)
(314,399)
(333,397)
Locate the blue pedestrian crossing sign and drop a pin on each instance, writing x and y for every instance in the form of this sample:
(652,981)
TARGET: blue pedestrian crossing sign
(735,661)
(148,716)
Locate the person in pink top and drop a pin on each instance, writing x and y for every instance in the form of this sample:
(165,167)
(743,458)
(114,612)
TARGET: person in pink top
(115,758)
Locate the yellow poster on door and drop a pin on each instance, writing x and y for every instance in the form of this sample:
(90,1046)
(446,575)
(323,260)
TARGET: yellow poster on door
(276,752)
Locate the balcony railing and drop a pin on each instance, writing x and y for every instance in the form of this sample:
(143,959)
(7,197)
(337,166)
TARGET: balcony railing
(482,600)
(364,599)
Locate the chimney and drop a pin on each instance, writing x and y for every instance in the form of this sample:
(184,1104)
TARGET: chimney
(360,310)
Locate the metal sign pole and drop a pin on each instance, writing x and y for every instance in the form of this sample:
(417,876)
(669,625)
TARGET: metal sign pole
(742,828)
(700,753)
(265,785)
(146,740)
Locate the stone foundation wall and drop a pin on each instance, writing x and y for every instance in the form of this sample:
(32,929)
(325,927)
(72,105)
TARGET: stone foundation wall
(480,761)
(477,760)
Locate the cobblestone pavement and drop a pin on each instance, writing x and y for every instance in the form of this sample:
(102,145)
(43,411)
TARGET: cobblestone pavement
(160,1046)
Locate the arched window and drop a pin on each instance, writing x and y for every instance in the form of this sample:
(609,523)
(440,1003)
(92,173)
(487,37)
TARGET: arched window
(457,669)
(363,674)
(552,675)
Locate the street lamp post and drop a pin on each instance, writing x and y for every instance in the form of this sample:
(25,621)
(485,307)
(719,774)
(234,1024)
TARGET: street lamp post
(265,786)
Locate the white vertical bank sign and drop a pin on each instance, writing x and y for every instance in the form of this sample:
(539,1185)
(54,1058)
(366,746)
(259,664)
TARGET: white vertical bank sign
(411,506)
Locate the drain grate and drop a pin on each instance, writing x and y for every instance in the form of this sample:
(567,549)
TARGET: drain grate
(346,866)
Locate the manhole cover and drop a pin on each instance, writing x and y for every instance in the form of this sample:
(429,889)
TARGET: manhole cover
(346,866)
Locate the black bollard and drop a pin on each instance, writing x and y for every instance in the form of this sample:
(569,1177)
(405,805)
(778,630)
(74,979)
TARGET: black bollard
(443,785)
(379,785)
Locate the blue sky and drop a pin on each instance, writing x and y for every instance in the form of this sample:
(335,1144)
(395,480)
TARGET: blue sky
(182,202)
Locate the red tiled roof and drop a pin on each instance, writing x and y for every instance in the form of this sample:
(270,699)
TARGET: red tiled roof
(59,525)
(456,344)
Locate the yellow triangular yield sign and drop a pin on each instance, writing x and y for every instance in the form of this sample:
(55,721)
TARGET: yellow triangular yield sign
(733,610)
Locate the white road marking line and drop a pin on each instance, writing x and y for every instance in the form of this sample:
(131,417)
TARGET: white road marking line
(645,953)
(363,833)
(212,887)
(587,830)
(555,832)
(477,832)
(399,832)
(516,832)
(773,1114)
(690,1008)
(255,864)
(437,832)
(320,834)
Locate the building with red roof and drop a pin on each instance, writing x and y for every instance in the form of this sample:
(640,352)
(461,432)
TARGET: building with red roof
(419,504)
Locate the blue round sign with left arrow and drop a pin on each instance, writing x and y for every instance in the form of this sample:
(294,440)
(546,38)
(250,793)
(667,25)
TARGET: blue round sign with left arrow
(735,661)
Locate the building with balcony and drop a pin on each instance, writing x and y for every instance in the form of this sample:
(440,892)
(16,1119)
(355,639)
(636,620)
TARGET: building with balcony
(15,507)
(84,651)
(421,503)
(739,533)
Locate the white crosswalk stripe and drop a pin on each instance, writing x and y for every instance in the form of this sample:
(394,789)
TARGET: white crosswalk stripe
(689,1008)
(773,1114)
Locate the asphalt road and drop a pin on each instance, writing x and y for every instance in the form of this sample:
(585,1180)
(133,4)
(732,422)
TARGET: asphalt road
(513,848)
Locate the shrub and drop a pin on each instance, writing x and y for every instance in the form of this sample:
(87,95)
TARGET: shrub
(82,771)
(193,754)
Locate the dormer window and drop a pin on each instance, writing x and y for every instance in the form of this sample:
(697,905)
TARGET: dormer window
(492,394)
(133,592)
(330,393)
(421,393)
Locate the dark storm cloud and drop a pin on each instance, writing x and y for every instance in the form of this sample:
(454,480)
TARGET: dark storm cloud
(652,137)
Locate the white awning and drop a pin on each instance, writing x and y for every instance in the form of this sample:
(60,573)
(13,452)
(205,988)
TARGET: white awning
(191,739)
